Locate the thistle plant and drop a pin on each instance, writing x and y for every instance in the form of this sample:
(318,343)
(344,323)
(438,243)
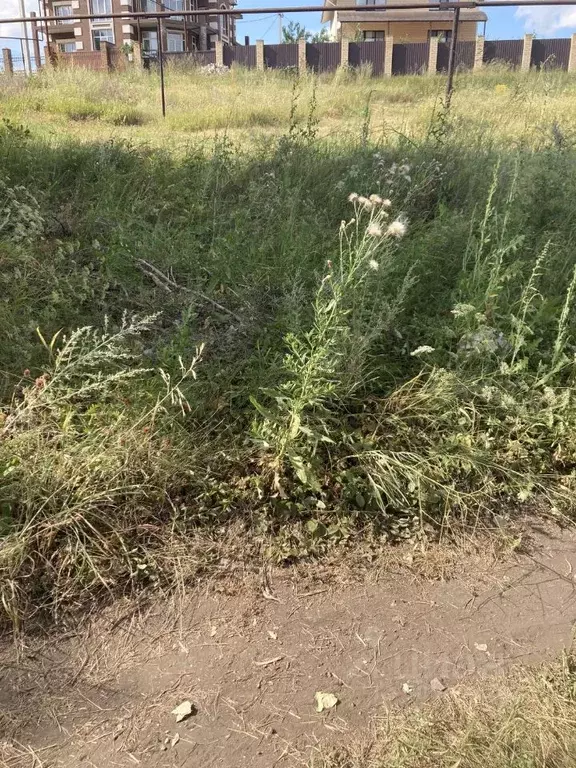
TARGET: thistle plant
(314,363)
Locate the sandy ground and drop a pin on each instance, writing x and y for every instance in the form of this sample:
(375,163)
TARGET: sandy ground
(251,656)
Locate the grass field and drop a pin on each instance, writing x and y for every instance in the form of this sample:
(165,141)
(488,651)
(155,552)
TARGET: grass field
(214,342)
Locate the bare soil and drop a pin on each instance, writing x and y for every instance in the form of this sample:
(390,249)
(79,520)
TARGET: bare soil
(250,658)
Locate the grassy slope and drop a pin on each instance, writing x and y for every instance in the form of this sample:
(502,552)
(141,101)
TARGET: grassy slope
(307,418)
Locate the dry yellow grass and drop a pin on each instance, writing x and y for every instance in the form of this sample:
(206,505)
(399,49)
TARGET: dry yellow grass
(248,104)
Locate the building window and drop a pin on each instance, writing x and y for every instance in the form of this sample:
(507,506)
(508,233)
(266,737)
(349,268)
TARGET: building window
(370,2)
(224,23)
(101,7)
(66,46)
(64,13)
(442,35)
(104,35)
(175,42)
(174,5)
(150,41)
(369,35)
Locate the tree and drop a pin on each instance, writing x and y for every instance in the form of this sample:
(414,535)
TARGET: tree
(295,31)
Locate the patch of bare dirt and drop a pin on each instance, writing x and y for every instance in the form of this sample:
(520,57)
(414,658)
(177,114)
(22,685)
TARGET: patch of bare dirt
(251,659)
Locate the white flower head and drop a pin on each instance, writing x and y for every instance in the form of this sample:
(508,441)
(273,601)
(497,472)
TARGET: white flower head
(373,265)
(386,203)
(375,230)
(365,203)
(352,197)
(423,350)
(376,199)
(397,229)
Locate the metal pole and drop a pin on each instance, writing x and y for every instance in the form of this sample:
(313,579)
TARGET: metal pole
(161,58)
(452,57)
(27,59)
(48,46)
(280,20)
(36,43)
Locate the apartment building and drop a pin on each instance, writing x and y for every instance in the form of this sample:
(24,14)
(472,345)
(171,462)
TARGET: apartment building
(179,33)
(413,25)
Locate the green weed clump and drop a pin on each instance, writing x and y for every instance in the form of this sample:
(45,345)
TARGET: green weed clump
(386,326)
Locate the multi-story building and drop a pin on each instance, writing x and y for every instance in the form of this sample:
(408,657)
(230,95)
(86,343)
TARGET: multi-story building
(413,25)
(179,33)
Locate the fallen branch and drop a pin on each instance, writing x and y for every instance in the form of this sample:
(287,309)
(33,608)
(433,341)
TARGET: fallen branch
(169,284)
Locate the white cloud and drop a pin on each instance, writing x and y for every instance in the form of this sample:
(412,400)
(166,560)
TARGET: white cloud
(11,8)
(547,20)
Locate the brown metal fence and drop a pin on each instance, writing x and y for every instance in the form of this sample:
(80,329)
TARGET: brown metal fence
(281,56)
(463,56)
(506,51)
(188,59)
(551,54)
(410,59)
(323,57)
(244,56)
(368,53)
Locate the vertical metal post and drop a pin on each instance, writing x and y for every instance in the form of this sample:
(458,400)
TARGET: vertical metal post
(161,59)
(36,42)
(452,57)
(48,46)
(26,51)
(280,23)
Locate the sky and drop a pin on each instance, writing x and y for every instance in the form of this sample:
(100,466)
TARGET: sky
(503,23)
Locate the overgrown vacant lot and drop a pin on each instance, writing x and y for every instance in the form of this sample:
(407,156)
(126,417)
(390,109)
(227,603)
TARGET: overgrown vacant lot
(266,349)
(296,318)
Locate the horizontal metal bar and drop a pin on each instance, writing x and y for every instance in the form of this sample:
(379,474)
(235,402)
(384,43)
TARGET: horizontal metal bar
(367,9)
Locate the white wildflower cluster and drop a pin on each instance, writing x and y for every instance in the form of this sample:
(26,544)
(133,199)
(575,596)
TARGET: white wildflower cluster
(423,350)
(399,172)
(20,217)
(378,206)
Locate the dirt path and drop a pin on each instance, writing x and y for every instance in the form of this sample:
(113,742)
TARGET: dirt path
(251,665)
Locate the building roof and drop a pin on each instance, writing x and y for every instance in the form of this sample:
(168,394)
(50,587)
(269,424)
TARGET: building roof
(410,14)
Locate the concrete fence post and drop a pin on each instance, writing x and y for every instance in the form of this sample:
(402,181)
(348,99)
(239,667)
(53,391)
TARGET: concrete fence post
(572,59)
(527,53)
(8,65)
(433,56)
(260,54)
(219,53)
(302,63)
(344,52)
(388,55)
(479,53)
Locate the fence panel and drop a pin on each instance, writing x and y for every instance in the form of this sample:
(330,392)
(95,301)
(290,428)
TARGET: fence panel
(463,57)
(323,57)
(410,58)
(551,54)
(186,58)
(281,56)
(245,56)
(507,51)
(369,52)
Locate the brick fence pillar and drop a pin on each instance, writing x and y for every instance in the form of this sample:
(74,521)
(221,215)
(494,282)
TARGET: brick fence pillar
(572,59)
(259,54)
(302,63)
(388,55)
(526,53)
(219,53)
(433,56)
(479,53)
(7,57)
(137,60)
(344,52)
(105,58)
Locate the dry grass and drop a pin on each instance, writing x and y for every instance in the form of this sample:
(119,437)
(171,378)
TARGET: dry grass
(526,719)
(128,105)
